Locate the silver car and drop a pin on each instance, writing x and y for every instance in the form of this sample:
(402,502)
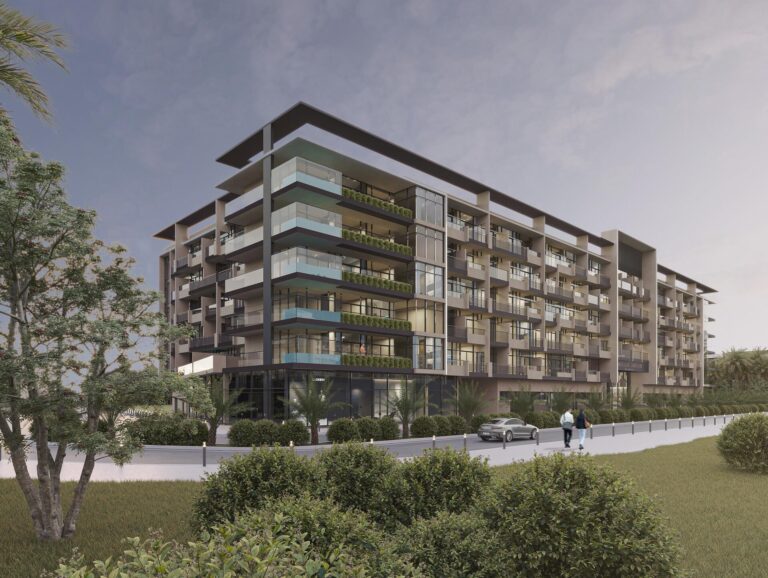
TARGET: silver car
(506,428)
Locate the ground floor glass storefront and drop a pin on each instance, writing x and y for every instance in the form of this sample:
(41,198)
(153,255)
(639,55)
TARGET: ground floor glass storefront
(365,394)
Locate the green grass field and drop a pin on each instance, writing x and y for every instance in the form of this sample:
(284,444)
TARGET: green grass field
(720,515)
(111,512)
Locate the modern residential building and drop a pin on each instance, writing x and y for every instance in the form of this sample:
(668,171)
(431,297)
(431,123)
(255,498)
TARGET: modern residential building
(380,269)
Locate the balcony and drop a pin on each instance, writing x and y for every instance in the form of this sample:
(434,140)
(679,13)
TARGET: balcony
(244,201)
(509,245)
(665,302)
(241,242)
(207,285)
(499,338)
(559,347)
(635,313)
(502,308)
(370,204)
(560,374)
(580,298)
(478,234)
(307,262)
(375,361)
(244,281)
(477,301)
(458,334)
(533,257)
(457,229)
(476,336)
(458,368)
(383,245)
(667,323)
(243,322)
(690,346)
(308,217)
(457,265)
(514,371)
(690,310)
(376,282)
(560,293)
(374,322)
(211,343)
(631,287)
(475,271)
(183,292)
(182,317)
(499,275)
(298,170)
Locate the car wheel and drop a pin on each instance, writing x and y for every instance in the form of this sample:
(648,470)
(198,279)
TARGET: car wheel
(533,433)
(509,436)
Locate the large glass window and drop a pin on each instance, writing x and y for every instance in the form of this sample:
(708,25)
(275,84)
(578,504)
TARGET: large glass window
(429,206)
(427,316)
(429,243)
(428,279)
(427,352)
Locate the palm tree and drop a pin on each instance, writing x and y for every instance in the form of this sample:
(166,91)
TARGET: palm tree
(22,39)
(409,402)
(314,404)
(522,402)
(224,406)
(469,400)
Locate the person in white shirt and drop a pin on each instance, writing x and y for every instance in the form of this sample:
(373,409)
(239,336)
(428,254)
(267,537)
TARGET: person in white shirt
(566,422)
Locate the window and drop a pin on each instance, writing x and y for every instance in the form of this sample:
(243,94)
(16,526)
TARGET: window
(428,280)
(426,316)
(429,243)
(428,206)
(427,352)
(595,267)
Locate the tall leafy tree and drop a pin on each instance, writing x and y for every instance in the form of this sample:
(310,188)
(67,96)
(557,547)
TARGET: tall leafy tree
(24,39)
(78,338)
(222,405)
(314,404)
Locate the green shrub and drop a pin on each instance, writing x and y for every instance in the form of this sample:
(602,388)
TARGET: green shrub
(561,516)
(246,433)
(294,431)
(247,481)
(543,419)
(442,425)
(368,428)
(607,416)
(622,415)
(661,412)
(450,544)
(442,479)
(642,414)
(672,413)
(592,416)
(343,430)
(458,424)
(294,538)
(390,429)
(744,443)
(684,411)
(423,427)
(364,477)
(700,411)
(168,430)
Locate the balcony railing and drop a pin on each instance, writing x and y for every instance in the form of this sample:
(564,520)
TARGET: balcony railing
(510,245)
(301,215)
(500,274)
(245,280)
(457,333)
(457,264)
(242,241)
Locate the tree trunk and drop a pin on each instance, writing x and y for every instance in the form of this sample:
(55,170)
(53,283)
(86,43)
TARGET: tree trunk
(406,433)
(213,425)
(73,514)
(27,485)
(315,434)
(50,503)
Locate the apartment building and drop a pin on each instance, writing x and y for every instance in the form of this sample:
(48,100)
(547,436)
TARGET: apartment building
(313,264)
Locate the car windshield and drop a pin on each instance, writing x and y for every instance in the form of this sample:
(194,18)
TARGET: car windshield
(498,421)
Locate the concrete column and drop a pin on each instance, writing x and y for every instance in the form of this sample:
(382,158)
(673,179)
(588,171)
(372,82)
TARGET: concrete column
(267,267)
(612,271)
(650,268)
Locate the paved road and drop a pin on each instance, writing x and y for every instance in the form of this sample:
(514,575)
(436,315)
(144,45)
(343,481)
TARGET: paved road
(170,455)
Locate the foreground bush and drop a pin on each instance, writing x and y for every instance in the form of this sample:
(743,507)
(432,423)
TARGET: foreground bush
(362,477)
(168,430)
(245,433)
(458,424)
(543,419)
(390,429)
(294,538)
(423,427)
(744,443)
(442,425)
(342,430)
(248,481)
(293,430)
(442,479)
(560,516)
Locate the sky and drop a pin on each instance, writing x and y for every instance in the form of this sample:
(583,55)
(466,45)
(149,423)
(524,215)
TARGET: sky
(650,117)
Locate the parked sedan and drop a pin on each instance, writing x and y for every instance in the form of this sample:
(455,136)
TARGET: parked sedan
(506,428)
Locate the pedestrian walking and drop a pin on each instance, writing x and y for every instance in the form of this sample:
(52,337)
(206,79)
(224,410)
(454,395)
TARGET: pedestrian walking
(582,424)
(566,422)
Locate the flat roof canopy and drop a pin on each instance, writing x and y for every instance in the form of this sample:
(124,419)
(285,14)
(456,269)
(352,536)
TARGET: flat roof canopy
(680,277)
(301,114)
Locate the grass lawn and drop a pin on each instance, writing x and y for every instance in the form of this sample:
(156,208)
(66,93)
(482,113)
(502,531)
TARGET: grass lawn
(720,514)
(111,512)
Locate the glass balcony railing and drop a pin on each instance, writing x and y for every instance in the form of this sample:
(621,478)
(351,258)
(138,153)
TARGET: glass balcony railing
(300,215)
(298,170)
(244,280)
(319,358)
(242,241)
(303,313)
(307,261)
(243,201)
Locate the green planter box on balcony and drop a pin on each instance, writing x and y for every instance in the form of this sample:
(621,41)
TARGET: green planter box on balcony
(376,242)
(375,321)
(375,361)
(373,201)
(378,282)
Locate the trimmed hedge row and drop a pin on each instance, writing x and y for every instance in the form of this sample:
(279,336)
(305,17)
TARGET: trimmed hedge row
(264,432)
(168,430)
(442,425)
(363,429)
(375,361)
(375,321)
(371,200)
(373,281)
(376,242)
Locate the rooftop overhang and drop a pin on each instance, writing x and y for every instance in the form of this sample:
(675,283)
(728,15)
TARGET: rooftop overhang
(702,289)
(303,114)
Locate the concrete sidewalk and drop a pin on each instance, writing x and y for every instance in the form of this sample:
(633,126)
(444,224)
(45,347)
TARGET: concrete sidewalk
(598,446)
